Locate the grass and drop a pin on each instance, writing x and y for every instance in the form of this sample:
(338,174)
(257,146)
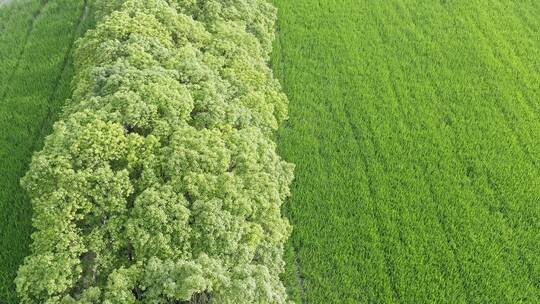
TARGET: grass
(36,39)
(414,127)
(15,20)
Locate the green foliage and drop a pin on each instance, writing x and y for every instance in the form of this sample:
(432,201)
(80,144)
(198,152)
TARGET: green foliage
(160,183)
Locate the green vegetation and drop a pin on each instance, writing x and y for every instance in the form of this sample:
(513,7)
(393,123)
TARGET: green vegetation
(35,71)
(414,128)
(160,182)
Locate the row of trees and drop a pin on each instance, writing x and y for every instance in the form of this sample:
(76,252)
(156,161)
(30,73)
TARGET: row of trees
(160,183)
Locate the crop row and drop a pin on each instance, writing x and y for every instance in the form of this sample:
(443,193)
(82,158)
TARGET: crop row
(414,128)
(35,70)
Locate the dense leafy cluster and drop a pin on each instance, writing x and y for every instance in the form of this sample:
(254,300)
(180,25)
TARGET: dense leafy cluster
(161,184)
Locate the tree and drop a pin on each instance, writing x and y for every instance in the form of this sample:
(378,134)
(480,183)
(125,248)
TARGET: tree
(160,183)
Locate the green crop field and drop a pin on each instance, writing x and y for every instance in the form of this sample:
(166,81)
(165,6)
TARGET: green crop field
(415,130)
(36,38)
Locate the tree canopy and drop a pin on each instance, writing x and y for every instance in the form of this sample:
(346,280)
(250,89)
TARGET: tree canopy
(160,182)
